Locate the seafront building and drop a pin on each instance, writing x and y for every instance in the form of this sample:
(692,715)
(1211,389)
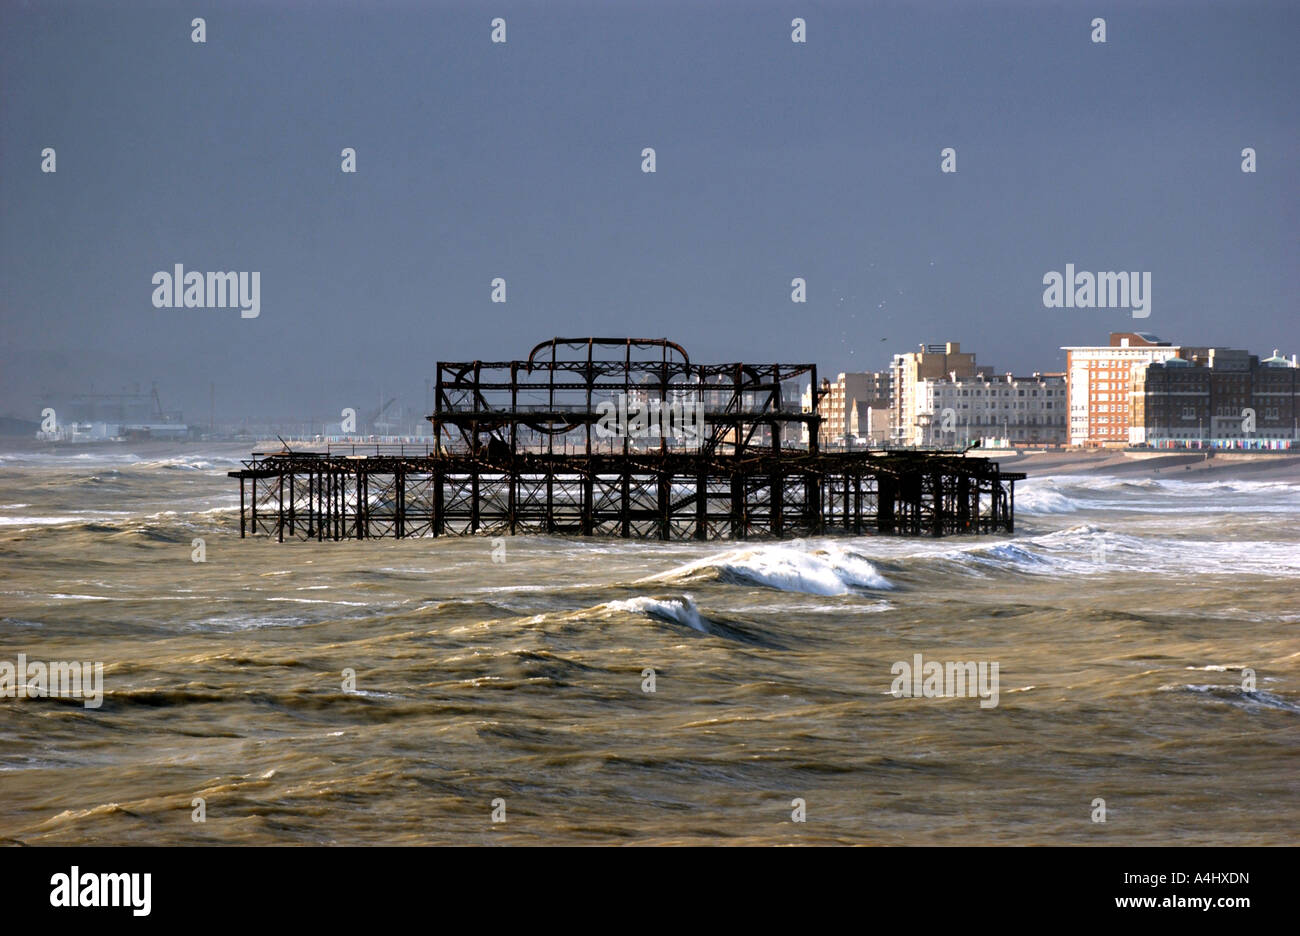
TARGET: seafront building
(1136,390)
(1100,381)
(854,409)
(1216,398)
(870,423)
(1007,410)
(932,362)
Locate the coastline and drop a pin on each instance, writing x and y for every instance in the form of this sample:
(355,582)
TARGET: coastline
(1191,466)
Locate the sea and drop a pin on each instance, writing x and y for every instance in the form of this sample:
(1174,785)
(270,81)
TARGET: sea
(1131,652)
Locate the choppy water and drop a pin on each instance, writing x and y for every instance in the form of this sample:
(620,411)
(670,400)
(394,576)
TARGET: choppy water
(1121,616)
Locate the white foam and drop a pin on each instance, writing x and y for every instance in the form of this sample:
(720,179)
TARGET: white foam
(1043,500)
(1056,494)
(808,568)
(1235,695)
(184,464)
(683,610)
(243,622)
(100,516)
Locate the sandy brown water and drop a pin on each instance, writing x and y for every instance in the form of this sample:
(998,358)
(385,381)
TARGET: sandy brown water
(1122,615)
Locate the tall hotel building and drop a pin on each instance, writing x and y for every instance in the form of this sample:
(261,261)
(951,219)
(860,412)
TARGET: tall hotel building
(908,371)
(1100,382)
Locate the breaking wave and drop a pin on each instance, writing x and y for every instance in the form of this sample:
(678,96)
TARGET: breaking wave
(676,610)
(1251,699)
(808,568)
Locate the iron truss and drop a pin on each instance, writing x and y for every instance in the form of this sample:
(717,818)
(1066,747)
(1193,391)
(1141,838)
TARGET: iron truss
(518,449)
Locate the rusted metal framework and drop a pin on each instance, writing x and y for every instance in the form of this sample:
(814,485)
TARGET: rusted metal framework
(619,437)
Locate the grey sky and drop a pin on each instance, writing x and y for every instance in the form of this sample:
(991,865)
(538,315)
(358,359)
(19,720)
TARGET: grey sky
(522,160)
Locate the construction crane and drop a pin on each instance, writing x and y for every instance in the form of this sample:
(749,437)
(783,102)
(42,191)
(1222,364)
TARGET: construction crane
(372,420)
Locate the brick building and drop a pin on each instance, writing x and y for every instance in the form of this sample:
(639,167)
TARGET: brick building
(1099,381)
(1216,397)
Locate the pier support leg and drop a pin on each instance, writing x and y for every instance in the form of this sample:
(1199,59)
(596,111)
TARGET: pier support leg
(665,505)
(588,497)
(550,497)
(702,506)
(963,504)
(473,498)
(438,527)
(399,495)
(776,500)
(359,521)
(884,504)
(936,495)
(625,510)
(738,519)
(511,495)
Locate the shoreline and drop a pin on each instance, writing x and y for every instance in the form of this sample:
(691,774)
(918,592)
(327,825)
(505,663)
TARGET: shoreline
(1189,466)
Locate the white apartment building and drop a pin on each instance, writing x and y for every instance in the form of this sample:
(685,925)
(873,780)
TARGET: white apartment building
(956,411)
(933,361)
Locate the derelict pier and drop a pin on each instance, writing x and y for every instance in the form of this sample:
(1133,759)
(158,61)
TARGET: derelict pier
(619,437)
